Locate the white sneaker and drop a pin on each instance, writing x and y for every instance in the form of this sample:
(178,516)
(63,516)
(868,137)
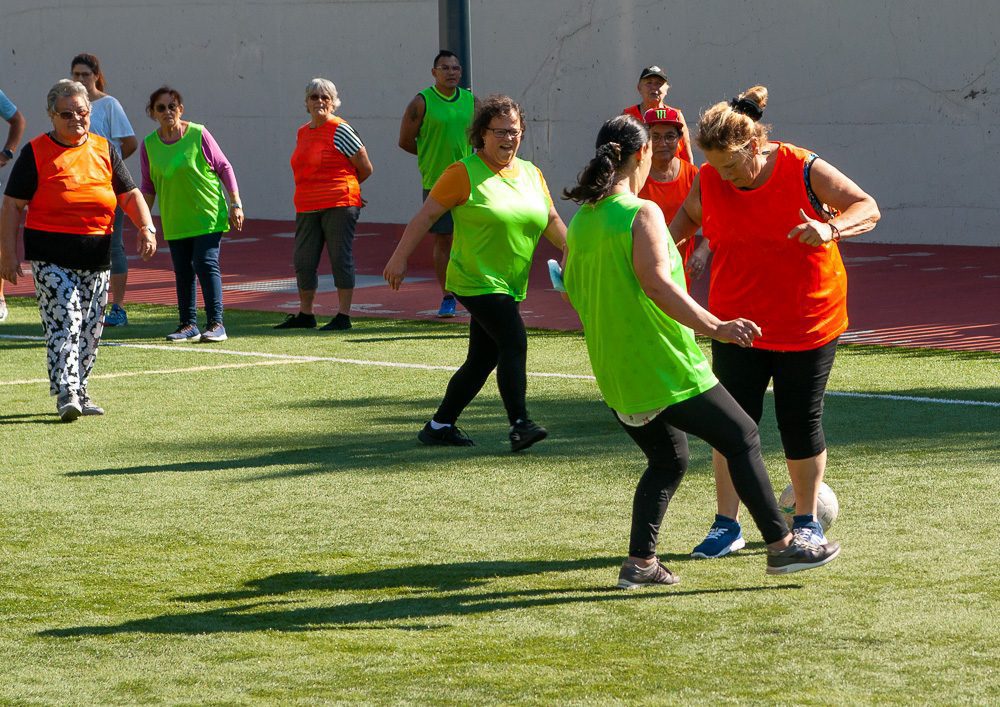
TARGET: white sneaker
(3,310)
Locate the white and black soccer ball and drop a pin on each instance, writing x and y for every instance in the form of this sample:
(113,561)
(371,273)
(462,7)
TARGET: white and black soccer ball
(827,506)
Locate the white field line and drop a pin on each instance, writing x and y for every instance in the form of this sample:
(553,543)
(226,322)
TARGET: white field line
(166,371)
(278,359)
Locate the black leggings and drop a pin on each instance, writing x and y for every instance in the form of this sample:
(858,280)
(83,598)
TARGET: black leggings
(716,418)
(799,385)
(497,339)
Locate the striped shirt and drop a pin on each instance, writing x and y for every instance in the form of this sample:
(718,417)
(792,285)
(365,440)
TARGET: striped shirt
(346,140)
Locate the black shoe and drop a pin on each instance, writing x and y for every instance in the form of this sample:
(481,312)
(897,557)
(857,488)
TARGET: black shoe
(298,321)
(525,433)
(451,436)
(338,323)
(801,555)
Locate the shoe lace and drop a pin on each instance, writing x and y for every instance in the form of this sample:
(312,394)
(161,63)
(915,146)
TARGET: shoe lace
(715,532)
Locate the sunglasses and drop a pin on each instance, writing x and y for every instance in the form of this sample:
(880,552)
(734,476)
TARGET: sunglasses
(160,108)
(317,97)
(70,114)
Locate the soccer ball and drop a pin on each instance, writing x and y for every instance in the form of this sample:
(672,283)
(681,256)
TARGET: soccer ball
(827,506)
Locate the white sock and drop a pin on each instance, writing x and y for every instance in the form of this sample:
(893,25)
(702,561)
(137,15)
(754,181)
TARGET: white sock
(435,425)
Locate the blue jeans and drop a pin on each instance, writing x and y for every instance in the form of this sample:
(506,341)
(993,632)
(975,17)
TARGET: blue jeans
(198,255)
(119,263)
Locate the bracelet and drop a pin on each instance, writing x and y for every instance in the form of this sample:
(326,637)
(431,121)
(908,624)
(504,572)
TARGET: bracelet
(236,205)
(835,232)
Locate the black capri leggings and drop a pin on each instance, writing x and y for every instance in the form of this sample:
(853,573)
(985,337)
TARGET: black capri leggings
(716,418)
(497,339)
(799,385)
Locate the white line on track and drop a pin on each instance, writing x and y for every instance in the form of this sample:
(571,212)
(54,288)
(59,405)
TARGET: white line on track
(278,359)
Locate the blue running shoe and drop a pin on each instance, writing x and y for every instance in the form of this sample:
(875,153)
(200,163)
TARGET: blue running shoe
(447,306)
(808,529)
(724,537)
(116,316)
(185,332)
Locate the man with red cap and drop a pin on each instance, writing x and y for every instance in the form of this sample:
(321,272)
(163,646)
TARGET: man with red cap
(652,88)
(670,179)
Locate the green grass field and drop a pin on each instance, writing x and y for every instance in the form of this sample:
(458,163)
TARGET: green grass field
(266,529)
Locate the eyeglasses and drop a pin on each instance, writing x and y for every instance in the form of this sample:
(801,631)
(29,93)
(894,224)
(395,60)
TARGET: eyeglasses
(669,137)
(160,108)
(501,133)
(80,113)
(317,97)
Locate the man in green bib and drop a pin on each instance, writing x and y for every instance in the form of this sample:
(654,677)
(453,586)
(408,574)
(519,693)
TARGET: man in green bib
(435,129)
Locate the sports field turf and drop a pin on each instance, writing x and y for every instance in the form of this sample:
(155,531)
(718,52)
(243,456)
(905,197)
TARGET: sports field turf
(248,529)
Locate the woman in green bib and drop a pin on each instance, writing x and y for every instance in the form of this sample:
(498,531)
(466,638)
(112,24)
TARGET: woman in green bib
(501,206)
(625,278)
(184,166)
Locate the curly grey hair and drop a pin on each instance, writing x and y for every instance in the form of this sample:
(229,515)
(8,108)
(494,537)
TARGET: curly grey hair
(323,86)
(65,88)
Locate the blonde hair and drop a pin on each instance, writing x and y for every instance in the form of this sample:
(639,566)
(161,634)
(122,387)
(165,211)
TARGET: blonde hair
(727,126)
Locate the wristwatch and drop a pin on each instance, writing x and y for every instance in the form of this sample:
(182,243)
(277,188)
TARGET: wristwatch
(236,205)
(151,228)
(6,152)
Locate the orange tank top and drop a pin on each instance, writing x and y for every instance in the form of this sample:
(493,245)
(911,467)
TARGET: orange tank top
(797,293)
(74,193)
(324,177)
(670,195)
(634,111)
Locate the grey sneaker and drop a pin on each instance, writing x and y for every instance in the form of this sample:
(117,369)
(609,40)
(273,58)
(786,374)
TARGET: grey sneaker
(88,407)
(451,436)
(632,576)
(185,332)
(801,555)
(69,407)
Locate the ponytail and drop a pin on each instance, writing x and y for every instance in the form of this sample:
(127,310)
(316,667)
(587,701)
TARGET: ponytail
(618,139)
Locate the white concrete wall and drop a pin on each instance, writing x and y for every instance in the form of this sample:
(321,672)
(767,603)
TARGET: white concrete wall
(902,96)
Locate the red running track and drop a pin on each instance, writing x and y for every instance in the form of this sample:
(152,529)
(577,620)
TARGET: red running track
(921,296)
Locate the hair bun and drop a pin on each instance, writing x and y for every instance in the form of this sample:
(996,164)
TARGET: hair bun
(611,150)
(748,107)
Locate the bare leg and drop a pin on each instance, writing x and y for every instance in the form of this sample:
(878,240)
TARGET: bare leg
(118,283)
(442,252)
(306,298)
(344,297)
(806,475)
(726,500)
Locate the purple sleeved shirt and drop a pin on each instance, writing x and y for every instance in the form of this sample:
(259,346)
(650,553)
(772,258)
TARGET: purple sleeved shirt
(213,155)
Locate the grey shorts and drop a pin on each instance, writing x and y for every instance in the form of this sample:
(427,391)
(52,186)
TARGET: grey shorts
(333,228)
(444,225)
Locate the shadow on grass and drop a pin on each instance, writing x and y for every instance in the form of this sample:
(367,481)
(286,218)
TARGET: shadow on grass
(31,418)
(456,579)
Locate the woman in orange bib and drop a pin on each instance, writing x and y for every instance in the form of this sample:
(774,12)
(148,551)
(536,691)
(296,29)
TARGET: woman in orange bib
(70,181)
(772,214)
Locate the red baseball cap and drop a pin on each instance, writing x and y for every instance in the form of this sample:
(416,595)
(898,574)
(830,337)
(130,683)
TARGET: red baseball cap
(667,115)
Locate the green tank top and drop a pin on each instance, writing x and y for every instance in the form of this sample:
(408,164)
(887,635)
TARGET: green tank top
(443,138)
(496,230)
(190,193)
(642,359)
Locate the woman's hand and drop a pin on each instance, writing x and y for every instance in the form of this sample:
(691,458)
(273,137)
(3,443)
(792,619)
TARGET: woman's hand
(236,217)
(811,231)
(10,269)
(696,263)
(146,244)
(395,271)
(741,332)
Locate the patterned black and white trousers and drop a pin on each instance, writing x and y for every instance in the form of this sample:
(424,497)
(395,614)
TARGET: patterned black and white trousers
(71,303)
